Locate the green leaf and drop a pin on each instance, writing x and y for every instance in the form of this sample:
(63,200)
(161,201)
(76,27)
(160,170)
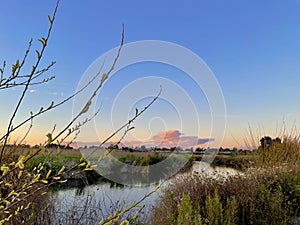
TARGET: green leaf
(50,20)
(104,77)
(49,136)
(15,67)
(61,170)
(38,53)
(86,107)
(43,41)
(48,174)
(136,111)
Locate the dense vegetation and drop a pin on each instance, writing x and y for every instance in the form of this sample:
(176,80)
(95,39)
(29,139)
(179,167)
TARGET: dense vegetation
(268,193)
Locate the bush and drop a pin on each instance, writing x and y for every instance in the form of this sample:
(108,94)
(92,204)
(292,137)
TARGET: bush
(265,197)
(266,194)
(187,214)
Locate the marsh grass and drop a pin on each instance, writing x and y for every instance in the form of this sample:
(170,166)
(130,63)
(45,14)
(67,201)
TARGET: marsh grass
(271,197)
(286,151)
(268,193)
(278,154)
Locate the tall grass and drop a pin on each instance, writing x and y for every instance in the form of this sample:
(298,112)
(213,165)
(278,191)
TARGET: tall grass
(258,198)
(268,193)
(278,154)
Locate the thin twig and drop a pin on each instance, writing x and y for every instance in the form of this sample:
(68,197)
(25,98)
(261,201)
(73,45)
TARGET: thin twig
(130,121)
(27,85)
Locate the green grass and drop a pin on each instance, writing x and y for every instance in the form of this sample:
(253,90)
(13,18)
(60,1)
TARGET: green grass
(53,163)
(141,160)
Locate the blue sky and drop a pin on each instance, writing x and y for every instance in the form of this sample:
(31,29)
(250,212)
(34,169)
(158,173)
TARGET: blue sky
(252,47)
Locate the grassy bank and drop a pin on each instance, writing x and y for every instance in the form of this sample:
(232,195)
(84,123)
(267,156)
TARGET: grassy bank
(53,163)
(262,197)
(267,193)
(81,178)
(70,158)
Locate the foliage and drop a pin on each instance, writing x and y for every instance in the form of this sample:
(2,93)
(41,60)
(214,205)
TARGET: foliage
(239,162)
(133,159)
(268,206)
(53,163)
(220,213)
(187,214)
(269,196)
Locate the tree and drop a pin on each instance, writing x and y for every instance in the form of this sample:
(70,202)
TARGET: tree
(265,142)
(277,140)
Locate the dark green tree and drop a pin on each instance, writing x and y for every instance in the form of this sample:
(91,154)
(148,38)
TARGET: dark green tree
(266,142)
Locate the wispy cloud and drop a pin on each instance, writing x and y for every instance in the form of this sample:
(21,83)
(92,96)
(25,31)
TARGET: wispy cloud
(32,91)
(202,141)
(57,93)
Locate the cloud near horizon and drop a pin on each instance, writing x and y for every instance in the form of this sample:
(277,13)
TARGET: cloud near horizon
(174,138)
(168,138)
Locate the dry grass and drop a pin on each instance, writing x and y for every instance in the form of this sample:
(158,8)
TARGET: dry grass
(285,153)
(268,193)
(263,197)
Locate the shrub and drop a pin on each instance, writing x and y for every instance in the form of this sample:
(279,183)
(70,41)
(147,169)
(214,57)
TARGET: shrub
(260,197)
(187,214)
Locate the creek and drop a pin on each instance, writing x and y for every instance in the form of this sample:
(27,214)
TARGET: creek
(93,202)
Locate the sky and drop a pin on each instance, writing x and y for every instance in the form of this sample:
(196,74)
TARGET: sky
(251,48)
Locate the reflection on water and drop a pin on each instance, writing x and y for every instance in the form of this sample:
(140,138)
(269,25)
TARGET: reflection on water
(96,201)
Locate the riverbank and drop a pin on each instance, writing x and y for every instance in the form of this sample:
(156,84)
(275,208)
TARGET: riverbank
(263,191)
(266,193)
(76,177)
(97,197)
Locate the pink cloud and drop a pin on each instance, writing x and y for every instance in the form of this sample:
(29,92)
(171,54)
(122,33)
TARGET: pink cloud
(174,138)
(169,137)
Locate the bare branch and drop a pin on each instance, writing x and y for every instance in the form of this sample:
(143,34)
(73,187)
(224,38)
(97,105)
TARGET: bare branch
(34,68)
(103,79)
(130,121)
